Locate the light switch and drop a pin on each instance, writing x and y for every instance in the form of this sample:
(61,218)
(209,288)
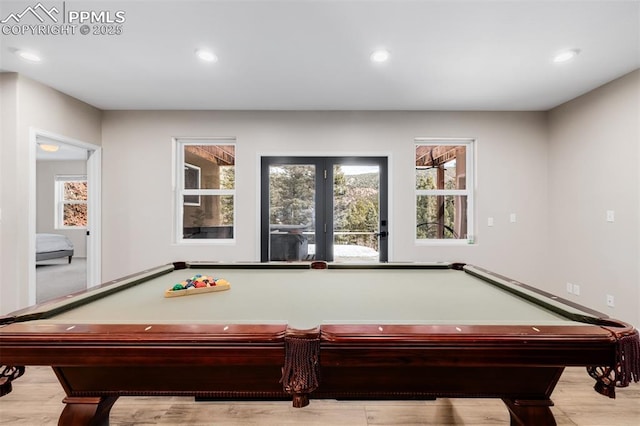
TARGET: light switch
(611,216)
(576,289)
(490,221)
(512,218)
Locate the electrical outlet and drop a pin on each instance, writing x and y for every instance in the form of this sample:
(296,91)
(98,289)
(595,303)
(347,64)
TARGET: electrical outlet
(569,288)
(512,218)
(576,289)
(610,301)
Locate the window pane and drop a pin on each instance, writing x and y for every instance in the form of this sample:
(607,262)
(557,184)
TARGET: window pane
(74,215)
(191,177)
(441,167)
(292,194)
(441,217)
(356,212)
(75,191)
(216,164)
(191,181)
(212,218)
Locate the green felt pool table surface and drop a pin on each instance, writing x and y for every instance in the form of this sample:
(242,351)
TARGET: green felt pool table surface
(308,298)
(290,331)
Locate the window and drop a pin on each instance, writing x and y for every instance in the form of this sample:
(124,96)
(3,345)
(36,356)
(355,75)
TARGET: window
(71,201)
(444,190)
(206,189)
(191,181)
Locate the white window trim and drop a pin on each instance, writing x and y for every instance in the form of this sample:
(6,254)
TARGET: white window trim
(178,181)
(469,192)
(60,202)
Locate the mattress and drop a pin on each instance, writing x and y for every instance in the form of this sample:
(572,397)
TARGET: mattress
(46,243)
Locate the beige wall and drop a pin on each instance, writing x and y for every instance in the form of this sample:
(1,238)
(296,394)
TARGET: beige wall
(30,105)
(594,158)
(46,172)
(8,168)
(138,198)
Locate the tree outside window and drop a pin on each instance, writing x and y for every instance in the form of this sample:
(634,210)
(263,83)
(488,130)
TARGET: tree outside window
(71,206)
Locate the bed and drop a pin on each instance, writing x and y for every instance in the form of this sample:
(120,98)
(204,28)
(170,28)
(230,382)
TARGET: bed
(53,246)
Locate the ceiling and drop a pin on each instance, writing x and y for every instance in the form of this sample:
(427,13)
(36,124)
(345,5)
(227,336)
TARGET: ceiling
(314,55)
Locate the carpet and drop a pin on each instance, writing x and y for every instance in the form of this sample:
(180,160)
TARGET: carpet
(57,277)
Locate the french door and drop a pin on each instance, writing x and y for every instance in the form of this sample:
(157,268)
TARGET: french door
(324,208)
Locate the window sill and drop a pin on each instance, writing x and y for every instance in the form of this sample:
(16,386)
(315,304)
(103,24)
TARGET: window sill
(205,241)
(456,243)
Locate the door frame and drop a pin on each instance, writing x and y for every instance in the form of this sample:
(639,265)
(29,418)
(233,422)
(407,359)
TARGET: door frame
(94,207)
(324,197)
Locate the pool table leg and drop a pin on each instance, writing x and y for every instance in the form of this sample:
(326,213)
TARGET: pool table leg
(526,412)
(89,411)
(300,400)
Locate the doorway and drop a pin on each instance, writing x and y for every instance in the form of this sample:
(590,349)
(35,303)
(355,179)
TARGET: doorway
(64,225)
(324,208)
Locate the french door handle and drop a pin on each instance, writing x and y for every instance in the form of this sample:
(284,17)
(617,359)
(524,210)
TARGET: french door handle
(382,234)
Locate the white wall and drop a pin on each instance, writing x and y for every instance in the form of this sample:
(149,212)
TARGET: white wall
(137,181)
(29,105)
(594,158)
(46,172)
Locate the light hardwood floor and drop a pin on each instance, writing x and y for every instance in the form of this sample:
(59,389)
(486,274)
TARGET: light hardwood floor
(36,400)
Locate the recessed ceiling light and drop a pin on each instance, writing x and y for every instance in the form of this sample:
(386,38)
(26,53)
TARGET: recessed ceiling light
(28,56)
(206,55)
(566,55)
(48,147)
(380,55)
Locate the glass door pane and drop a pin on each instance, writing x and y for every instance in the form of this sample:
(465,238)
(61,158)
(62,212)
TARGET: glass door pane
(292,211)
(324,208)
(356,213)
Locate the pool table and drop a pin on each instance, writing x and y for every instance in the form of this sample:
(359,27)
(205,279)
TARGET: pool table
(300,331)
